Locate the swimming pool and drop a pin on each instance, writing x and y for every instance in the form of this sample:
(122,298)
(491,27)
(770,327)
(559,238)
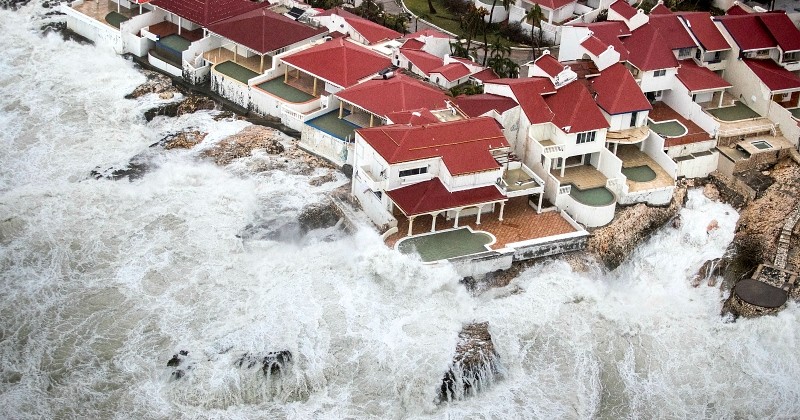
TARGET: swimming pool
(596,197)
(641,173)
(446,244)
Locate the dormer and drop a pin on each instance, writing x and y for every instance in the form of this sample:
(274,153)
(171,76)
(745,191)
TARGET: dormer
(547,66)
(602,54)
(624,12)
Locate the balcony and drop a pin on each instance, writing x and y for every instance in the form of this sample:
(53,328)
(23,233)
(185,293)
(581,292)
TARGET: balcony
(373,182)
(548,148)
(519,180)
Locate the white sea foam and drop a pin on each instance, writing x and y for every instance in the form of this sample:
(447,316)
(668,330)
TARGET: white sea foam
(101,282)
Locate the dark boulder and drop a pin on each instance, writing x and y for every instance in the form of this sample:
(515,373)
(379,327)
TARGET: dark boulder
(475,365)
(319,216)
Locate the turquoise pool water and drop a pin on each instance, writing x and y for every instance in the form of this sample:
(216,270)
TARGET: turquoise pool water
(447,244)
(639,173)
(597,197)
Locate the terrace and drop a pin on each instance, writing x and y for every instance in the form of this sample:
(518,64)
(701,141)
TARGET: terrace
(663,114)
(256,63)
(641,171)
(334,126)
(287,92)
(107,11)
(520,223)
(738,121)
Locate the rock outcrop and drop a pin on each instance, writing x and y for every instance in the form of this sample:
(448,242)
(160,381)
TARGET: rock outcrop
(183,140)
(632,225)
(244,142)
(319,216)
(475,365)
(271,364)
(155,83)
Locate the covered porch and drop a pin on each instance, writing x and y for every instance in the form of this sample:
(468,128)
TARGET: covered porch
(302,81)
(354,114)
(520,223)
(239,55)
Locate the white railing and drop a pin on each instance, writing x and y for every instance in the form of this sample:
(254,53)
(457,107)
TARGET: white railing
(290,113)
(553,149)
(565,189)
(373,182)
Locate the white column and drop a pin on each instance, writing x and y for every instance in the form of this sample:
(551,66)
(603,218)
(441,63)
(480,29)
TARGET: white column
(458,213)
(502,208)
(539,210)
(179,25)
(479,215)
(433,224)
(410,225)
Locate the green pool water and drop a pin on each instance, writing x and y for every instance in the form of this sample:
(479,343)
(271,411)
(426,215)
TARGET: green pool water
(331,124)
(282,90)
(175,42)
(668,128)
(738,111)
(229,68)
(639,173)
(115,19)
(795,112)
(447,244)
(596,197)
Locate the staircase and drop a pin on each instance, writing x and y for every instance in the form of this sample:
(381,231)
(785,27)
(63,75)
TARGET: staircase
(785,236)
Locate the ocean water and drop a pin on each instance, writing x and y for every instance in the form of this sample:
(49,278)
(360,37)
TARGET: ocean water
(101,282)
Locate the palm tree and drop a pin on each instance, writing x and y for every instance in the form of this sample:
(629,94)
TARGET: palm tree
(535,15)
(431,9)
(506,5)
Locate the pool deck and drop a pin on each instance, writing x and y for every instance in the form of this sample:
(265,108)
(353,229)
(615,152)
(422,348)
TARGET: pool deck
(695,134)
(584,177)
(98,9)
(631,157)
(221,55)
(165,28)
(520,223)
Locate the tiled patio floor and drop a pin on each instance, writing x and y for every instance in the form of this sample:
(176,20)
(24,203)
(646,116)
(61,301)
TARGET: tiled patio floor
(98,9)
(220,55)
(584,177)
(631,157)
(662,112)
(520,223)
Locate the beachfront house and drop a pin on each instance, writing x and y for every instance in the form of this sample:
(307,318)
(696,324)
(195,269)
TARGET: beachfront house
(113,23)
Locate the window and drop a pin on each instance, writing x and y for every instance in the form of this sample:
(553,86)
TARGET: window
(586,137)
(684,52)
(659,73)
(415,171)
(633,118)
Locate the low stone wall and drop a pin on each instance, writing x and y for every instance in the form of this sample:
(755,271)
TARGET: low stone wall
(548,249)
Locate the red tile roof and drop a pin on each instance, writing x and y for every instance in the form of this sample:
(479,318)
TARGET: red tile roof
(452,71)
(205,12)
(660,9)
(594,45)
(647,50)
(371,31)
(463,145)
(264,30)
(486,75)
(549,65)
(339,61)
(702,26)
(429,33)
(413,117)
(782,29)
(528,94)
(624,9)
(774,76)
(610,32)
(431,196)
(400,93)
(477,105)
(574,109)
(618,92)
(412,44)
(672,31)
(551,4)
(736,9)
(697,78)
(747,31)
(425,61)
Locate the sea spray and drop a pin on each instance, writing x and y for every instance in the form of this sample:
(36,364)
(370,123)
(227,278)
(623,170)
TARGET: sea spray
(101,282)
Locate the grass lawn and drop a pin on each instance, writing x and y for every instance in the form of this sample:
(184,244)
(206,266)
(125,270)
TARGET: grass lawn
(446,20)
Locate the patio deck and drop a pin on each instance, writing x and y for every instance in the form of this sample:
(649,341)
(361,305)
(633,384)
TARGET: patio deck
(231,69)
(332,125)
(221,55)
(520,223)
(632,157)
(99,9)
(694,134)
(737,112)
(284,91)
(165,28)
(584,177)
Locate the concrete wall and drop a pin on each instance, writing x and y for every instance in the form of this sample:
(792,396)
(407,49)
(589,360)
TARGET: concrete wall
(371,205)
(591,216)
(651,83)
(229,88)
(788,125)
(680,100)
(698,165)
(98,32)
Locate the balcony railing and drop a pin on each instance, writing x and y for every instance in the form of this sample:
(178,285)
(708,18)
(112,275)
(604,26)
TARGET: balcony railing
(375,183)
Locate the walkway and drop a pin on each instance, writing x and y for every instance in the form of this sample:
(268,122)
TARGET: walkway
(786,235)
